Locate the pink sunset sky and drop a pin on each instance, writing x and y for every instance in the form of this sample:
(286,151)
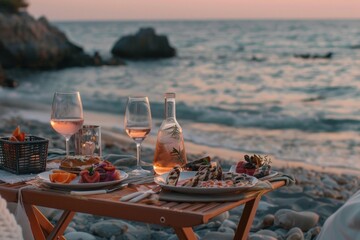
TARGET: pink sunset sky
(194,9)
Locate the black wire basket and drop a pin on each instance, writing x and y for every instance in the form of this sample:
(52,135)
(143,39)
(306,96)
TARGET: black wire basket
(24,157)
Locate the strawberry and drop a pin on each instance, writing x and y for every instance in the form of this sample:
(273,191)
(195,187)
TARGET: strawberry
(250,171)
(100,172)
(254,165)
(109,168)
(89,176)
(246,167)
(240,167)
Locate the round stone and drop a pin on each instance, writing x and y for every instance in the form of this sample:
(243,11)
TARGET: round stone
(79,236)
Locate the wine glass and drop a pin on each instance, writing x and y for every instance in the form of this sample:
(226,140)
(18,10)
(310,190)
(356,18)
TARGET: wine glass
(138,125)
(67,115)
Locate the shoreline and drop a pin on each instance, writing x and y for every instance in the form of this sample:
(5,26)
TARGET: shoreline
(231,155)
(107,122)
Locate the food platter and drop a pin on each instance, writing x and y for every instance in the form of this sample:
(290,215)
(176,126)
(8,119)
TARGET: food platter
(161,180)
(271,173)
(75,185)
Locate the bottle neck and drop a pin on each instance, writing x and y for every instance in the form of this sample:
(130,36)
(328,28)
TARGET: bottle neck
(170,108)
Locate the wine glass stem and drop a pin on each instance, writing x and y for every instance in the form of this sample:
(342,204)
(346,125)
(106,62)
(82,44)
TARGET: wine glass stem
(67,147)
(138,151)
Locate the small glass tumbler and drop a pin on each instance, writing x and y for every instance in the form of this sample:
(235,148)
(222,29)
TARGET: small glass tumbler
(88,141)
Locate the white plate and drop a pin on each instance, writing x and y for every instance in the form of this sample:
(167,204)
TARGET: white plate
(161,180)
(75,185)
(271,174)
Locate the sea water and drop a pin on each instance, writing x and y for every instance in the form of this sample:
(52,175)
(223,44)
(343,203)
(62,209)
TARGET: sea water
(238,83)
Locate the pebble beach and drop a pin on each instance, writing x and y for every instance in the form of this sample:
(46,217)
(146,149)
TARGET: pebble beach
(294,212)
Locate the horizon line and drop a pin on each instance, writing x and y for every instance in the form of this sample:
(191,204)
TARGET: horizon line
(205,19)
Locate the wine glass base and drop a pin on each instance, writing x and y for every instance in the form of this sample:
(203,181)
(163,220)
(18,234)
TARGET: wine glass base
(140,172)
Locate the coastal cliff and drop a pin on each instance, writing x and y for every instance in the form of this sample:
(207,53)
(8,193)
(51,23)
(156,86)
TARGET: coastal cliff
(27,42)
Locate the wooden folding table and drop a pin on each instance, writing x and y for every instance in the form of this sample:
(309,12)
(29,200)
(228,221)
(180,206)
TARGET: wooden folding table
(181,216)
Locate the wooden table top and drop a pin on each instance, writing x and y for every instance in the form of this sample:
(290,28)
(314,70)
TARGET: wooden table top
(180,214)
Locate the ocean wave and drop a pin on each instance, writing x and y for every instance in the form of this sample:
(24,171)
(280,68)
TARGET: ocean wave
(270,118)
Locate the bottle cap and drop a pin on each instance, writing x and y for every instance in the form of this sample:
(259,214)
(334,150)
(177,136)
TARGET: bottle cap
(169,95)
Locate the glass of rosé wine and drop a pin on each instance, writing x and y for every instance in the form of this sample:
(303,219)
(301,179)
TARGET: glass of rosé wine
(67,115)
(138,125)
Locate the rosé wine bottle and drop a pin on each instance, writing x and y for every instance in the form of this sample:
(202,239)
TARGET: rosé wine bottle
(170,148)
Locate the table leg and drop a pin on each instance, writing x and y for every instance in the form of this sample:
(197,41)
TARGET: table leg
(48,228)
(45,224)
(34,222)
(186,233)
(247,218)
(62,224)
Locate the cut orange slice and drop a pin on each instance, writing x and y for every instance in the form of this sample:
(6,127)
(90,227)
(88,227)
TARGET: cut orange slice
(72,176)
(13,139)
(21,137)
(62,177)
(17,135)
(16,132)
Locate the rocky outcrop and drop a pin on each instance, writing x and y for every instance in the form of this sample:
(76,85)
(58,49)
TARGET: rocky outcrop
(355,46)
(327,55)
(6,81)
(287,219)
(13,6)
(29,43)
(144,44)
